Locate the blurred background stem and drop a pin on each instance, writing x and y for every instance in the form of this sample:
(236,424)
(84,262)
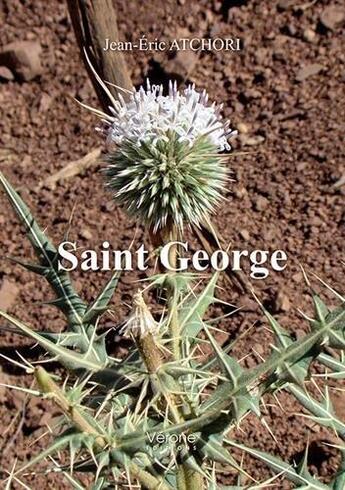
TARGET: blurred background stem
(93,22)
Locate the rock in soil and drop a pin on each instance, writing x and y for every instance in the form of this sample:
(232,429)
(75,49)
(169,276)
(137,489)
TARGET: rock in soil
(332,17)
(242,128)
(261,203)
(182,65)
(8,294)
(23,59)
(309,35)
(281,303)
(245,235)
(308,71)
(6,74)
(251,140)
(285,4)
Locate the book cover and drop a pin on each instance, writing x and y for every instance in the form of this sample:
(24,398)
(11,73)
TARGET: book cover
(172,244)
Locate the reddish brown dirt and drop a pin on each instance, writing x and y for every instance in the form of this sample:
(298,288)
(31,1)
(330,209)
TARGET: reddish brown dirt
(284,195)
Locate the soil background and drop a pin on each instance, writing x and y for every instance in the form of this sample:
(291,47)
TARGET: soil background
(284,91)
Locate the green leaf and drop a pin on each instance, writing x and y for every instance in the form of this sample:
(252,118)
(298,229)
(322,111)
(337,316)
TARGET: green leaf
(189,460)
(228,365)
(65,339)
(73,306)
(214,451)
(321,309)
(294,372)
(60,443)
(337,366)
(102,301)
(70,359)
(192,311)
(242,401)
(279,466)
(322,413)
(335,321)
(30,266)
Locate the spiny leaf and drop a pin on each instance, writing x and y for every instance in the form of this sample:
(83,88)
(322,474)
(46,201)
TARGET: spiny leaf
(322,412)
(228,365)
(179,281)
(320,308)
(332,326)
(192,311)
(30,266)
(48,255)
(66,339)
(59,443)
(102,301)
(337,366)
(279,466)
(296,372)
(243,400)
(189,461)
(215,451)
(68,358)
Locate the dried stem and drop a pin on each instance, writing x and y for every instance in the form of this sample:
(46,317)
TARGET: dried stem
(149,352)
(93,22)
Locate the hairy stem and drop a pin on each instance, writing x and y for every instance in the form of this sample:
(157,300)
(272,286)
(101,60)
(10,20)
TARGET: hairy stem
(180,479)
(187,479)
(194,481)
(76,415)
(174,327)
(162,383)
(149,352)
(173,300)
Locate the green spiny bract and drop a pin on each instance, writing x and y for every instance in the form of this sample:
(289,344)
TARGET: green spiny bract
(167,183)
(166,421)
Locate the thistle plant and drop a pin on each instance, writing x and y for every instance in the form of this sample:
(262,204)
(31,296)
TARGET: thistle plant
(163,163)
(163,416)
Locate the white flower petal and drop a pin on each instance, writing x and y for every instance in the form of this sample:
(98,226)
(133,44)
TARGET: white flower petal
(148,115)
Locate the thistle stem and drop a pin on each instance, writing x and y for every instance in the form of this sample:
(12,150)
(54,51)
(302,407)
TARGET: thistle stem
(188,479)
(77,416)
(180,479)
(194,481)
(150,354)
(170,234)
(173,299)
(48,386)
(174,323)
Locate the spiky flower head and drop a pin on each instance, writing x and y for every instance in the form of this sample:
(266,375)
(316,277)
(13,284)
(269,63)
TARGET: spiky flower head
(163,161)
